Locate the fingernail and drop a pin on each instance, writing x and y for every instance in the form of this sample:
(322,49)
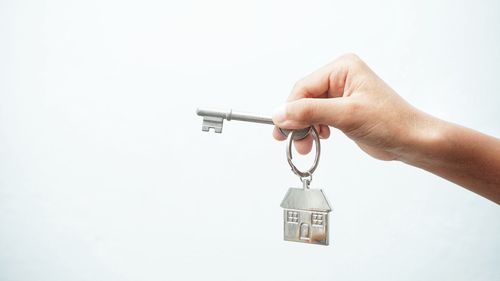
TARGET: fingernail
(279,115)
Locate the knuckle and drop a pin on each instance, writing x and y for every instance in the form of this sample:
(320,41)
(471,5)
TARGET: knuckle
(351,59)
(299,86)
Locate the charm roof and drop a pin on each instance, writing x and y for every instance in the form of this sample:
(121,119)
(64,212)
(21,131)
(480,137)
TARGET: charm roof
(306,199)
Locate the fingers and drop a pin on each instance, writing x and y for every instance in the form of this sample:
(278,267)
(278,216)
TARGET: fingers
(278,135)
(319,98)
(323,130)
(327,82)
(309,111)
(304,146)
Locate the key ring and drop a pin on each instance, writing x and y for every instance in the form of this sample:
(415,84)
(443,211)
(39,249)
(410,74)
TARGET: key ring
(289,157)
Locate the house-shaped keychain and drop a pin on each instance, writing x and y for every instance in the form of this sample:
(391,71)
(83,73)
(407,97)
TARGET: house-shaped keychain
(305,216)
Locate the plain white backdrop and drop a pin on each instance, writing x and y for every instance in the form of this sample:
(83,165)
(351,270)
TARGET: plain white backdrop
(106,175)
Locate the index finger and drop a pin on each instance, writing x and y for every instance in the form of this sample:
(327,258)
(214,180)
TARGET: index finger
(327,82)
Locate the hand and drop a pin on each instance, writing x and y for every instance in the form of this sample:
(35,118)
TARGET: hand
(348,95)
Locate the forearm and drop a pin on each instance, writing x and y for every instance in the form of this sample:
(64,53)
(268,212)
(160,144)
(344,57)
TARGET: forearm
(461,155)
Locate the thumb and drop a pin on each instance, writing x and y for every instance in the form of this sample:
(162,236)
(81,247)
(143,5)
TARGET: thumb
(305,112)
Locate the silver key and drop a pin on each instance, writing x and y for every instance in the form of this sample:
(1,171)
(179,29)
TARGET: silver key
(214,119)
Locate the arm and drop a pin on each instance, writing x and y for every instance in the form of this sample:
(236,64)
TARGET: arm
(348,95)
(461,155)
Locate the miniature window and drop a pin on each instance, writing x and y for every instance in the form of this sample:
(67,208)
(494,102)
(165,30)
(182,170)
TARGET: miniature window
(317,219)
(292,217)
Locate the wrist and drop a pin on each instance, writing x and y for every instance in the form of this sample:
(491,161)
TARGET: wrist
(424,140)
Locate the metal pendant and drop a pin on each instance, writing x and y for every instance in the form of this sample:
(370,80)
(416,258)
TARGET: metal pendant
(305,211)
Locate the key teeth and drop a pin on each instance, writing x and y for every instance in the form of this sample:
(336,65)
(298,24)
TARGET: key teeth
(214,123)
(207,129)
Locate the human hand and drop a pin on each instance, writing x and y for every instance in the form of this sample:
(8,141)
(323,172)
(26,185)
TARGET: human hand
(348,95)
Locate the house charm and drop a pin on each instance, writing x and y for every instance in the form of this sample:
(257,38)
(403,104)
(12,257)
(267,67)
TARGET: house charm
(305,216)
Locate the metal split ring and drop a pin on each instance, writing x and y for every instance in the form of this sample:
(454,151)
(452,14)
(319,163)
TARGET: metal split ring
(289,157)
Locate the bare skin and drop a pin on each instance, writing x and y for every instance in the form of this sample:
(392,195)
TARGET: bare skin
(348,95)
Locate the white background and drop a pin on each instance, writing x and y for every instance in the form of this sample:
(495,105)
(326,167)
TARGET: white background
(106,175)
